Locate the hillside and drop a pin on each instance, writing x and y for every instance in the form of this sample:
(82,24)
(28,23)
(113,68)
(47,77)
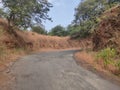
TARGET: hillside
(19,42)
(42,58)
(108,32)
(34,41)
(105,56)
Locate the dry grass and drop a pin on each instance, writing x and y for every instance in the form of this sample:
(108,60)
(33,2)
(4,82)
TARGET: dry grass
(5,81)
(85,57)
(6,60)
(33,43)
(8,57)
(89,59)
(112,11)
(30,42)
(42,41)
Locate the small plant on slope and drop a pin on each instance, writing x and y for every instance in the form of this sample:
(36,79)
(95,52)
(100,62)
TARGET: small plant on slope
(107,56)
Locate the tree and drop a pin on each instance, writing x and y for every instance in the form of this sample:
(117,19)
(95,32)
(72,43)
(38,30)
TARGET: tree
(71,29)
(39,30)
(111,2)
(24,13)
(58,31)
(87,13)
(80,31)
(88,10)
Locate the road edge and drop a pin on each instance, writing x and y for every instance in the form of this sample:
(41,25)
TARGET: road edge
(107,76)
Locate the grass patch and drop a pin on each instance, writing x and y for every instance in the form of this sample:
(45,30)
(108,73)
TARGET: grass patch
(1,31)
(106,60)
(107,55)
(3,52)
(110,62)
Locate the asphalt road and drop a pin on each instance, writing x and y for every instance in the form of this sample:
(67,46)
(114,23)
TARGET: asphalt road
(55,71)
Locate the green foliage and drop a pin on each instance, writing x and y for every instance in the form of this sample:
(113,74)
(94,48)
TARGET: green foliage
(87,16)
(112,2)
(72,29)
(24,13)
(82,30)
(107,55)
(1,31)
(39,30)
(2,50)
(118,64)
(88,9)
(58,31)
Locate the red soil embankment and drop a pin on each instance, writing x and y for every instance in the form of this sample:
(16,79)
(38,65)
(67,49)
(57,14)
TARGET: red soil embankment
(36,41)
(19,43)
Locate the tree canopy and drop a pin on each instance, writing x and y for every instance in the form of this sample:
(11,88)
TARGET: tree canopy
(24,13)
(58,31)
(87,14)
(88,9)
(39,30)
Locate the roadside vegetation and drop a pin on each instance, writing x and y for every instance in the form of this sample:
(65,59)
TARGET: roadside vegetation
(21,30)
(100,21)
(39,30)
(87,16)
(58,31)
(95,29)
(107,55)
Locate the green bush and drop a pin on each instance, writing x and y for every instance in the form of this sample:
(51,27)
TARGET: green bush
(39,30)
(1,31)
(58,31)
(107,55)
(118,64)
(2,51)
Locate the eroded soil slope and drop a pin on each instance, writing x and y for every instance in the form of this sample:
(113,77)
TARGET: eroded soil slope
(108,31)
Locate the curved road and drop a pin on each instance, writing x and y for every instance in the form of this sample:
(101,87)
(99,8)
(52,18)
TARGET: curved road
(56,71)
